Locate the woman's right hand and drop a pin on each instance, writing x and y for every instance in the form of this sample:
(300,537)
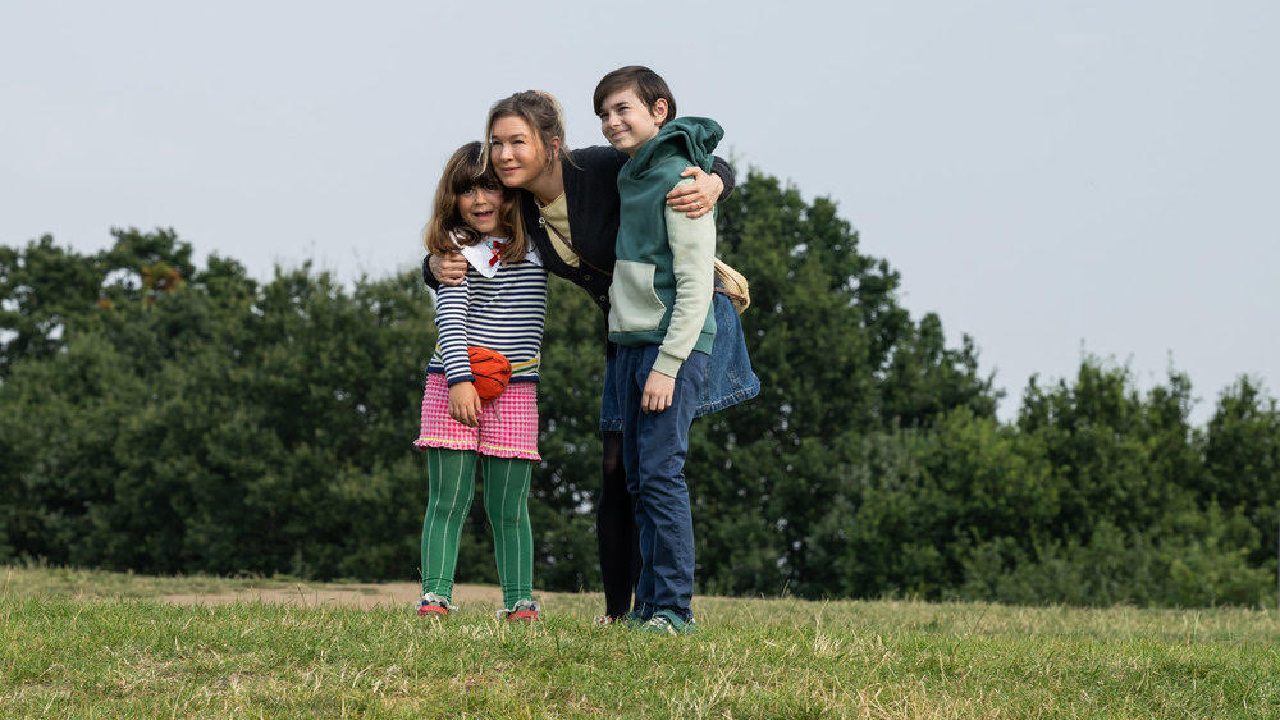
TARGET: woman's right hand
(449,269)
(464,404)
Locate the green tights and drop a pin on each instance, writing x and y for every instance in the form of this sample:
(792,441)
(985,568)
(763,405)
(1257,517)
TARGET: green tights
(450,486)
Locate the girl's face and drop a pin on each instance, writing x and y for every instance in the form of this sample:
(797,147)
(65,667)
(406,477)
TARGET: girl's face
(479,208)
(627,123)
(515,151)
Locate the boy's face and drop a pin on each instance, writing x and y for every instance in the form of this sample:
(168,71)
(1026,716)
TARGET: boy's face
(627,123)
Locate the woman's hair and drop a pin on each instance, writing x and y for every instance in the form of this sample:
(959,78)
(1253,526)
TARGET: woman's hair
(541,111)
(649,87)
(447,229)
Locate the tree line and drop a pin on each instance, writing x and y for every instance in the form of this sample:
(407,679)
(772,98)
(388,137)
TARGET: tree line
(168,417)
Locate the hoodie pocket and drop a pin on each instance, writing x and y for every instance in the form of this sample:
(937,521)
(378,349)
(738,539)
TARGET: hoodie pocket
(634,306)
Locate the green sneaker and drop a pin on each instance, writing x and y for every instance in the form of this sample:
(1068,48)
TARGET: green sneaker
(666,622)
(634,618)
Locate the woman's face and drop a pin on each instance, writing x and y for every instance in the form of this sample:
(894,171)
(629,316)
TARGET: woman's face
(515,151)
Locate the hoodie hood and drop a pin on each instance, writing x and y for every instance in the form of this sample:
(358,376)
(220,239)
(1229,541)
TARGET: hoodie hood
(694,138)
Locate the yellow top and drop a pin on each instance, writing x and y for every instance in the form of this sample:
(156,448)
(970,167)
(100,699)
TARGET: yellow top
(556,214)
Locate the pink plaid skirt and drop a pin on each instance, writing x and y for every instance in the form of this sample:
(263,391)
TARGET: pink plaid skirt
(508,425)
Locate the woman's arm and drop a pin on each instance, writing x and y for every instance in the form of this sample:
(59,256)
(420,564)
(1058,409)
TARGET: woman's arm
(697,199)
(440,270)
(693,200)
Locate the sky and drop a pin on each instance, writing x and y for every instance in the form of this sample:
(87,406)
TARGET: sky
(1053,179)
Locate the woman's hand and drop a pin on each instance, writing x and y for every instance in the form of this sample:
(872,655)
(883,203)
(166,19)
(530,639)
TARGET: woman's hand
(464,404)
(449,269)
(658,391)
(697,198)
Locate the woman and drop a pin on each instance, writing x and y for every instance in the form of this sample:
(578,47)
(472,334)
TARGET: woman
(569,202)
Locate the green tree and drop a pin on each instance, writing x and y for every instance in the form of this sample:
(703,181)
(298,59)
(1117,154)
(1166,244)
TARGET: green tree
(839,358)
(1119,456)
(1242,461)
(162,416)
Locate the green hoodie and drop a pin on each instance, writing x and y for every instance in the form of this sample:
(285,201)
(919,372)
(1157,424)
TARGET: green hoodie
(664,275)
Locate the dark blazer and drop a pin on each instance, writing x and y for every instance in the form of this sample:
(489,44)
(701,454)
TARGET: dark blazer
(591,193)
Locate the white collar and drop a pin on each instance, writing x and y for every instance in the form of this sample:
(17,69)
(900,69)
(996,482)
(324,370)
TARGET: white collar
(480,254)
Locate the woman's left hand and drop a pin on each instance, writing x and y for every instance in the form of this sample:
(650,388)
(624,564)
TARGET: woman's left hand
(697,198)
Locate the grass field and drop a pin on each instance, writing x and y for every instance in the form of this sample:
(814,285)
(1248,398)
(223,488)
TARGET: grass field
(87,644)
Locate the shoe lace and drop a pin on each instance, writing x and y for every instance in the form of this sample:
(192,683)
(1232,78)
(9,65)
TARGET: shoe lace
(434,599)
(661,624)
(530,605)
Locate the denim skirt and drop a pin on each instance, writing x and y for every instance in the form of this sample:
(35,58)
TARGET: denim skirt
(730,379)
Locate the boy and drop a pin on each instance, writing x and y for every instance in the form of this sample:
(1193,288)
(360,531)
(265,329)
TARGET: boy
(662,320)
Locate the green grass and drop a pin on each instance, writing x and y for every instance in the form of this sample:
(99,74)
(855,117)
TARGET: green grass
(88,644)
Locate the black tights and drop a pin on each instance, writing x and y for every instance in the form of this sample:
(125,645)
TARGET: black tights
(616,531)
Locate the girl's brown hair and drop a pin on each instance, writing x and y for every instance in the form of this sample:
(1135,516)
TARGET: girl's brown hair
(447,229)
(542,113)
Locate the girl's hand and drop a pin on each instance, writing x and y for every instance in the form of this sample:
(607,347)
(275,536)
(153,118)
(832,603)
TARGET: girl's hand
(695,199)
(464,404)
(450,269)
(658,391)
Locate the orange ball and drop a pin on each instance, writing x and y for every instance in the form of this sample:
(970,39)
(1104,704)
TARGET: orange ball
(492,371)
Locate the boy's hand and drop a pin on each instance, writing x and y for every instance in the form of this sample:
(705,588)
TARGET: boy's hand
(464,404)
(658,391)
(449,269)
(696,199)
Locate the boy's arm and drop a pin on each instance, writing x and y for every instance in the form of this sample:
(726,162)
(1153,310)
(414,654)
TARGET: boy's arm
(693,250)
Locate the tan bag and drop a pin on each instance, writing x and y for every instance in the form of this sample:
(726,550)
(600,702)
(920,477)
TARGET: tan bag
(731,283)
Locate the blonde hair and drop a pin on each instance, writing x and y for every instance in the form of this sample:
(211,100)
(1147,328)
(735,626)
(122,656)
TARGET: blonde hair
(446,229)
(541,111)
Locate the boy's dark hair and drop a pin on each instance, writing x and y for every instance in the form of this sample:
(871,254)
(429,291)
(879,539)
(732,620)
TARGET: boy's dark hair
(649,87)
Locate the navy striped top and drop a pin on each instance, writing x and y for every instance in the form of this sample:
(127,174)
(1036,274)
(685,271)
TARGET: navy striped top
(505,312)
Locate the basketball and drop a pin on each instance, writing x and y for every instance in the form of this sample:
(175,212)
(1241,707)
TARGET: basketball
(492,371)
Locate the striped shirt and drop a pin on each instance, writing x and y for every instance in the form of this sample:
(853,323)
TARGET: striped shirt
(505,313)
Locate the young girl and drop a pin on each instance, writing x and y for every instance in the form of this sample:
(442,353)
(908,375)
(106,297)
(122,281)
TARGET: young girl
(500,305)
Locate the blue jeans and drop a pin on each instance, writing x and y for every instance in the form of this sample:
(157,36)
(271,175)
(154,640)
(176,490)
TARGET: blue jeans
(730,379)
(654,446)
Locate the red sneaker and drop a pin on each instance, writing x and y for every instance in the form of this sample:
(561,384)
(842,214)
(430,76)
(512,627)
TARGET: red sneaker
(434,606)
(522,611)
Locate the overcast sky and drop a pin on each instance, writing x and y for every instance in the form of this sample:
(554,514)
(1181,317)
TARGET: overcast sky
(1052,178)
